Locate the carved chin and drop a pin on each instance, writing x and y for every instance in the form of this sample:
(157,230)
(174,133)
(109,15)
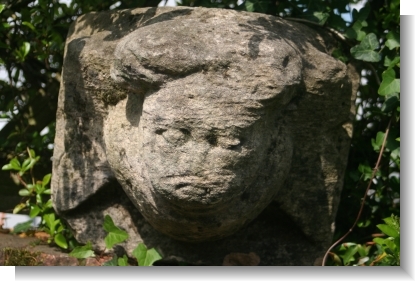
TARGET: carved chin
(188,213)
(198,221)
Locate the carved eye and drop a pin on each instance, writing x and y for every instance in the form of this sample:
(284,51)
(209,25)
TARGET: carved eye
(230,143)
(160,131)
(175,136)
(212,139)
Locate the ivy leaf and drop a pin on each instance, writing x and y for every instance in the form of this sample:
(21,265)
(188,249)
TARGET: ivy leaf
(396,153)
(2,7)
(249,6)
(389,62)
(366,49)
(318,17)
(355,31)
(390,104)
(151,257)
(140,253)
(145,257)
(322,17)
(390,85)
(377,144)
(259,6)
(365,170)
(82,252)
(393,41)
(115,234)
(123,261)
(362,14)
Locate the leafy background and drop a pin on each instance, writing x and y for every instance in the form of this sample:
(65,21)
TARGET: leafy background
(32,37)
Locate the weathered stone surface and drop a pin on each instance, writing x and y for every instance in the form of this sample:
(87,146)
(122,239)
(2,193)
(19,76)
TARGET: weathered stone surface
(226,130)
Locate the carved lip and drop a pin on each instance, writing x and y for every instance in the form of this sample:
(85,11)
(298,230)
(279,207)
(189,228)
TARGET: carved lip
(219,183)
(197,192)
(179,184)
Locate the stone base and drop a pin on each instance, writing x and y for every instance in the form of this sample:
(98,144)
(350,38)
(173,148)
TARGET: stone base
(272,236)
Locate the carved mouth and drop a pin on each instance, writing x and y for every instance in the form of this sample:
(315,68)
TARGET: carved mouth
(178,182)
(196,192)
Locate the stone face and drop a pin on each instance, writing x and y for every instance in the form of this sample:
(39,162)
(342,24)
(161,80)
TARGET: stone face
(191,125)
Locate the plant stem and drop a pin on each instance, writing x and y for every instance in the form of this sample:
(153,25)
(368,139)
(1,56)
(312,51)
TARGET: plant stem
(364,197)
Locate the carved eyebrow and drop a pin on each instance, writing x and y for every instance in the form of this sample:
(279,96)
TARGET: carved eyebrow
(150,113)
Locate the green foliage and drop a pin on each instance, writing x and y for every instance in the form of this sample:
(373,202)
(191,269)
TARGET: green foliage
(366,50)
(117,261)
(122,261)
(82,252)
(115,235)
(389,249)
(380,252)
(144,256)
(390,85)
(36,199)
(352,254)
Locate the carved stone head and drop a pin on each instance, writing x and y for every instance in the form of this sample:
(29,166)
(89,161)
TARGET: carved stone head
(204,117)
(200,151)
